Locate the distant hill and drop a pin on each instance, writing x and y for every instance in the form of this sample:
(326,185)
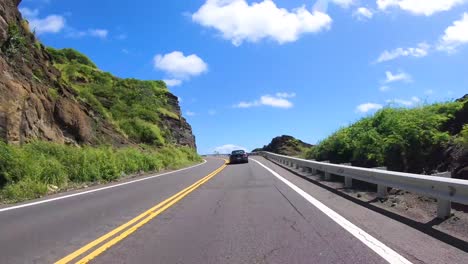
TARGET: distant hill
(286,145)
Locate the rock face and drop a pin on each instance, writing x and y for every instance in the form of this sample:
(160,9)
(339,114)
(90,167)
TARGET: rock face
(35,103)
(286,145)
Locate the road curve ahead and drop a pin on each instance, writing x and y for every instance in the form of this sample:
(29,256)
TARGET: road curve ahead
(212,213)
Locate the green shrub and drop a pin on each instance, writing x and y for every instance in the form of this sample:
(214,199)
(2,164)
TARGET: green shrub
(26,171)
(24,190)
(143,131)
(462,138)
(401,139)
(124,102)
(16,43)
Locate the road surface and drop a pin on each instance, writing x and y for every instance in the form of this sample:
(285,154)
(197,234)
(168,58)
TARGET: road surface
(212,213)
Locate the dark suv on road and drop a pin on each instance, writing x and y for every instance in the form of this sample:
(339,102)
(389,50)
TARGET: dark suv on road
(238,156)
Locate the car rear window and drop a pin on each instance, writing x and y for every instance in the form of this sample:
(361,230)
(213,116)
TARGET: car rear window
(237,152)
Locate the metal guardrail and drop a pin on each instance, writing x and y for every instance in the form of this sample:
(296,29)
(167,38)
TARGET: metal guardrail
(443,188)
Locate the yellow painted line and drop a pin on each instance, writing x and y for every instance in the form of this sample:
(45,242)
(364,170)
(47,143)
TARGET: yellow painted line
(152,212)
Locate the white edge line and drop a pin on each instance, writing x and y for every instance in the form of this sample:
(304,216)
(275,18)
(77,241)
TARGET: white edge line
(378,247)
(95,190)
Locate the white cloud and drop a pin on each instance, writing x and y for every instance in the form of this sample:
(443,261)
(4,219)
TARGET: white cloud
(420,7)
(239,21)
(420,51)
(178,65)
(455,35)
(411,102)
(228,148)
(173,82)
(404,77)
(277,101)
(49,24)
(364,108)
(190,113)
(363,13)
(384,88)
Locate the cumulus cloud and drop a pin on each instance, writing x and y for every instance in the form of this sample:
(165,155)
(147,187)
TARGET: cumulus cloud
(420,7)
(397,77)
(173,82)
(228,148)
(48,24)
(239,21)
(363,13)
(177,65)
(364,108)
(455,35)
(56,24)
(411,102)
(420,51)
(279,100)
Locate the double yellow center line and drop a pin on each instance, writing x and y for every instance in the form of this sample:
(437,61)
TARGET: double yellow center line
(123,231)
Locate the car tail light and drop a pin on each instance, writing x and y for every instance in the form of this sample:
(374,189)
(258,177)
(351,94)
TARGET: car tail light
(245,155)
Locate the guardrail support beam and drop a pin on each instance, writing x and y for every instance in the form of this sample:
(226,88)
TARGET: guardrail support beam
(326,175)
(444,207)
(348,181)
(382,190)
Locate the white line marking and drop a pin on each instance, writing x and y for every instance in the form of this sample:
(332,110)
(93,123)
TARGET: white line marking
(95,190)
(378,247)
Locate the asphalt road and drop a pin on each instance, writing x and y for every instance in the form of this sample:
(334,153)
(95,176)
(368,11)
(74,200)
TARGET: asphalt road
(243,214)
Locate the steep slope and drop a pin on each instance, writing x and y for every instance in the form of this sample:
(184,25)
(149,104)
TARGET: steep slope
(286,145)
(145,111)
(35,103)
(39,101)
(66,124)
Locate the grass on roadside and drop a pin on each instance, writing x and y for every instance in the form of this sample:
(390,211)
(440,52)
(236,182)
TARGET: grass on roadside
(32,170)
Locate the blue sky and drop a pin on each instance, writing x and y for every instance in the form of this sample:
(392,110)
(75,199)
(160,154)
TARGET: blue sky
(247,71)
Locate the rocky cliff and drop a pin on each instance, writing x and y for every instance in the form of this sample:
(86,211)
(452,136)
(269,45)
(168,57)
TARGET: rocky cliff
(286,145)
(38,102)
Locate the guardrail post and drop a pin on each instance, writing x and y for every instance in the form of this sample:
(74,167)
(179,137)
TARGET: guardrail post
(444,207)
(327,175)
(348,181)
(382,190)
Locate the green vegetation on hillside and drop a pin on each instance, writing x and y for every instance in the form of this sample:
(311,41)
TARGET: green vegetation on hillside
(411,140)
(33,170)
(286,145)
(135,107)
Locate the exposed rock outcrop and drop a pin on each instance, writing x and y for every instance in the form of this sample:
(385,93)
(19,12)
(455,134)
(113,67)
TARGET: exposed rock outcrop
(286,145)
(36,103)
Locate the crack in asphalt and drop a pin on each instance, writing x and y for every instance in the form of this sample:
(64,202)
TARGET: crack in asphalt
(295,208)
